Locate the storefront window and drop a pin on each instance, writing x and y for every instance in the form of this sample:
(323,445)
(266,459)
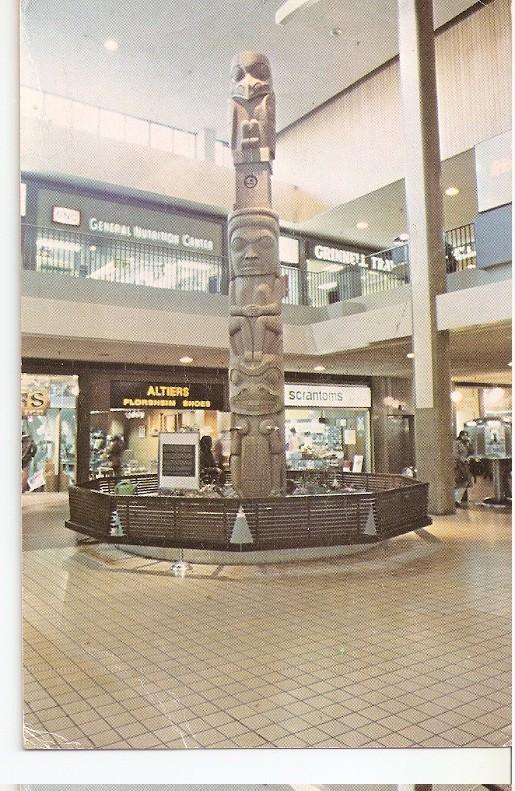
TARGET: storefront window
(139,431)
(325,438)
(49,421)
(472,402)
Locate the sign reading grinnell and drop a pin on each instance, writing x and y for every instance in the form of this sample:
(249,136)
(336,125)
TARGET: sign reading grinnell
(327,395)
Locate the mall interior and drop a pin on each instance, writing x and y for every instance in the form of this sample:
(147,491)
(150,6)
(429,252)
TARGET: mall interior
(396,313)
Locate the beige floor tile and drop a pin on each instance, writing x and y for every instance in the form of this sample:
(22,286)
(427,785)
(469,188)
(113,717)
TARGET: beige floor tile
(434,663)
(104,738)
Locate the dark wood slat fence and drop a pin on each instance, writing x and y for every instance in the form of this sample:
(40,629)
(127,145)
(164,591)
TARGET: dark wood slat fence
(392,504)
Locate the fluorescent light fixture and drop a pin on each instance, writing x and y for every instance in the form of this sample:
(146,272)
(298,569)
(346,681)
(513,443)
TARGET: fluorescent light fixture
(362,224)
(332,268)
(56,244)
(410,355)
(290,8)
(319,368)
(186,360)
(452,191)
(111,45)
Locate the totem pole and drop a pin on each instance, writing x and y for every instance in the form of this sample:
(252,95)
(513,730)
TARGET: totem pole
(256,372)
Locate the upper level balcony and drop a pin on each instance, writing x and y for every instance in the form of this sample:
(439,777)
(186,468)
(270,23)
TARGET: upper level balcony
(87,255)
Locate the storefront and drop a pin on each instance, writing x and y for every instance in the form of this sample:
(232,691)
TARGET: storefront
(328,425)
(336,272)
(49,428)
(88,233)
(140,409)
(473,401)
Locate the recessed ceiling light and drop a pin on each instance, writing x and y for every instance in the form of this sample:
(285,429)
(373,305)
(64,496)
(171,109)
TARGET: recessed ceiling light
(362,225)
(410,355)
(319,368)
(451,191)
(111,45)
(186,360)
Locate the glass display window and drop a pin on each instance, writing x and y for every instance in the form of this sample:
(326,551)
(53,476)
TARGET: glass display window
(325,438)
(49,425)
(139,431)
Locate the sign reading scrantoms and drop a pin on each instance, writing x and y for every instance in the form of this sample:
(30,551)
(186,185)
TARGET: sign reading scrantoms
(167,395)
(327,395)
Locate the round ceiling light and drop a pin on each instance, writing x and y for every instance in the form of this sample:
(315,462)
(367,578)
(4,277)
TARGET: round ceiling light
(186,360)
(111,45)
(452,191)
(410,355)
(362,225)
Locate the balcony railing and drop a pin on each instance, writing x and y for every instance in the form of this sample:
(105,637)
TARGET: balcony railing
(91,256)
(121,261)
(460,248)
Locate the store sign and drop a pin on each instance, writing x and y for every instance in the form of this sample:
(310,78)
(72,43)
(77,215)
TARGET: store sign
(23,199)
(493,171)
(65,216)
(327,395)
(179,460)
(126,220)
(34,401)
(150,234)
(167,395)
(323,252)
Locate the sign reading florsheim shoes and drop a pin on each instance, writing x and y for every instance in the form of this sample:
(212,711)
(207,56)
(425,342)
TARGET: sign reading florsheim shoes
(167,395)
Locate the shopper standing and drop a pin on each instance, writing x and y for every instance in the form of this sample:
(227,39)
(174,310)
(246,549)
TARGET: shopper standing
(462,476)
(114,454)
(28,451)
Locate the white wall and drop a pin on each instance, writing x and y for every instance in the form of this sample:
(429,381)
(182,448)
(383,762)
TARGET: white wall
(353,145)
(64,152)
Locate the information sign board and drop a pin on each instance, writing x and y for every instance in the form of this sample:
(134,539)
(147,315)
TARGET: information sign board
(178,460)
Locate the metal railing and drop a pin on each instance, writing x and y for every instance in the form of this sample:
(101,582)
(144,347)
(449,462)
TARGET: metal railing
(460,248)
(121,261)
(92,256)
(379,272)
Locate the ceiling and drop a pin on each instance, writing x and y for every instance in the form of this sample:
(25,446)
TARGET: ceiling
(172,64)
(385,209)
(478,354)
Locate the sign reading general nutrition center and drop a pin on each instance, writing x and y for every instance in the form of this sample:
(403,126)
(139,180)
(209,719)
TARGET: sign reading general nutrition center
(130,222)
(167,395)
(327,396)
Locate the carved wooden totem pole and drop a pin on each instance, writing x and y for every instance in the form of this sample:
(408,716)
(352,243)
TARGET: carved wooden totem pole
(256,373)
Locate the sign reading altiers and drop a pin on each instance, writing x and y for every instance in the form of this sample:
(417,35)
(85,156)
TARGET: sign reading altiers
(167,395)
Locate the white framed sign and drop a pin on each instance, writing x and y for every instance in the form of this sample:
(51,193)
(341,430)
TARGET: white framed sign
(327,395)
(65,216)
(178,460)
(357,464)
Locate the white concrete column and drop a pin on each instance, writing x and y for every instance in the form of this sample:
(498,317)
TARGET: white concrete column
(432,381)
(206,142)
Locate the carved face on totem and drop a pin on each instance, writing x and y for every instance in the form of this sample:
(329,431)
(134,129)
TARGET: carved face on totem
(250,76)
(256,391)
(254,249)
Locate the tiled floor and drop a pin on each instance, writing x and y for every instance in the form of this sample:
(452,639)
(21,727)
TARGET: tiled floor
(406,644)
